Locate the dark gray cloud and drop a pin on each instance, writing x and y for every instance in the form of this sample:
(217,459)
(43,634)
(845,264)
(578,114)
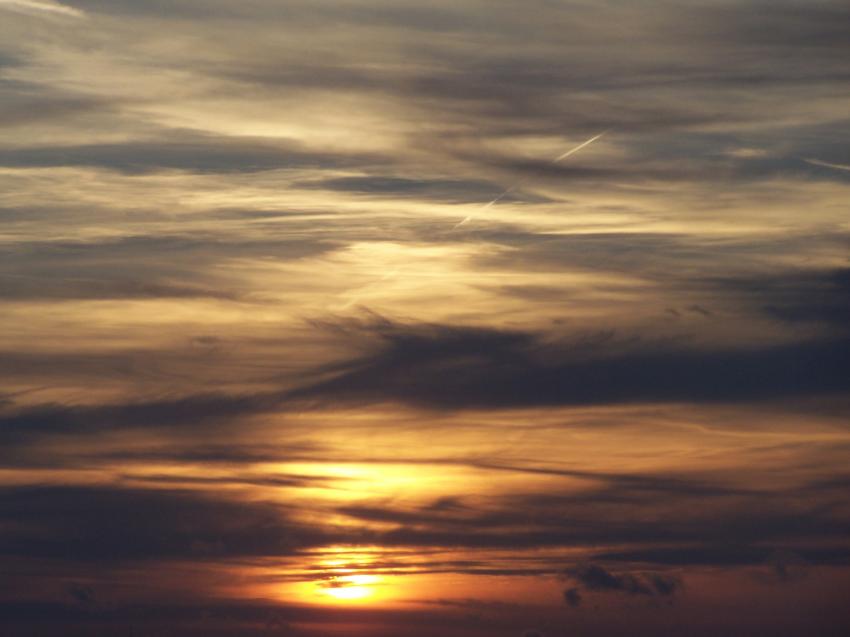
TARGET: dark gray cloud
(439,189)
(463,367)
(816,296)
(87,256)
(205,411)
(277,480)
(445,367)
(811,28)
(113,525)
(234,453)
(171,266)
(711,277)
(661,163)
(179,151)
(789,560)
(26,288)
(678,260)
(734,527)
(586,525)
(82,594)
(597,579)
(722,555)
(254,618)
(25,449)
(107,524)
(788,566)
(572,596)
(27,103)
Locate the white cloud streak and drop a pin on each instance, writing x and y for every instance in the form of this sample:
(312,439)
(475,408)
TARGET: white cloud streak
(41,6)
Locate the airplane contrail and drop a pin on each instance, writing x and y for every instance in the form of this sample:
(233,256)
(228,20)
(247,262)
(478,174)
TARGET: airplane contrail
(826,164)
(560,157)
(355,298)
(579,147)
(487,205)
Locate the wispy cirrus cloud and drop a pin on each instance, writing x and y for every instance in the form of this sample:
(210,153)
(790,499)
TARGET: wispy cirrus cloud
(635,371)
(49,7)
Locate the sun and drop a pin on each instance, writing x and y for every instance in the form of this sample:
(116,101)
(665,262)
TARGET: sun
(350,587)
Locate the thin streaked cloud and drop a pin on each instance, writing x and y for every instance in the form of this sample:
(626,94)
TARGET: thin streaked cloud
(41,6)
(261,374)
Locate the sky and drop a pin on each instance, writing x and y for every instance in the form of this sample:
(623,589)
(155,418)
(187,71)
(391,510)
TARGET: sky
(460,318)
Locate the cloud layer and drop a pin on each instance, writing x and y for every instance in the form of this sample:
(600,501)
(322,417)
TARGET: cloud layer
(296,302)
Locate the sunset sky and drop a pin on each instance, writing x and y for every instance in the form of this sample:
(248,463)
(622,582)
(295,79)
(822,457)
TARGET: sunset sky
(457,318)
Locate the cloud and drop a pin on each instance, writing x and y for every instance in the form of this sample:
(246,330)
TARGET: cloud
(27,103)
(179,151)
(23,287)
(597,579)
(41,6)
(186,178)
(572,596)
(795,296)
(82,594)
(276,481)
(449,190)
(731,528)
(689,274)
(794,23)
(204,411)
(436,366)
(112,525)
(788,566)
(448,367)
(144,266)
(217,454)
(193,617)
(730,555)
(664,584)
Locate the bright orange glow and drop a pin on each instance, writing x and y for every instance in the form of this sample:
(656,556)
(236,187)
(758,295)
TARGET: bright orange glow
(350,587)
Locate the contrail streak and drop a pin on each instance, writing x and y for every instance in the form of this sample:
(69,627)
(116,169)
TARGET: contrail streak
(354,299)
(571,151)
(826,164)
(487,205)
(579,147)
